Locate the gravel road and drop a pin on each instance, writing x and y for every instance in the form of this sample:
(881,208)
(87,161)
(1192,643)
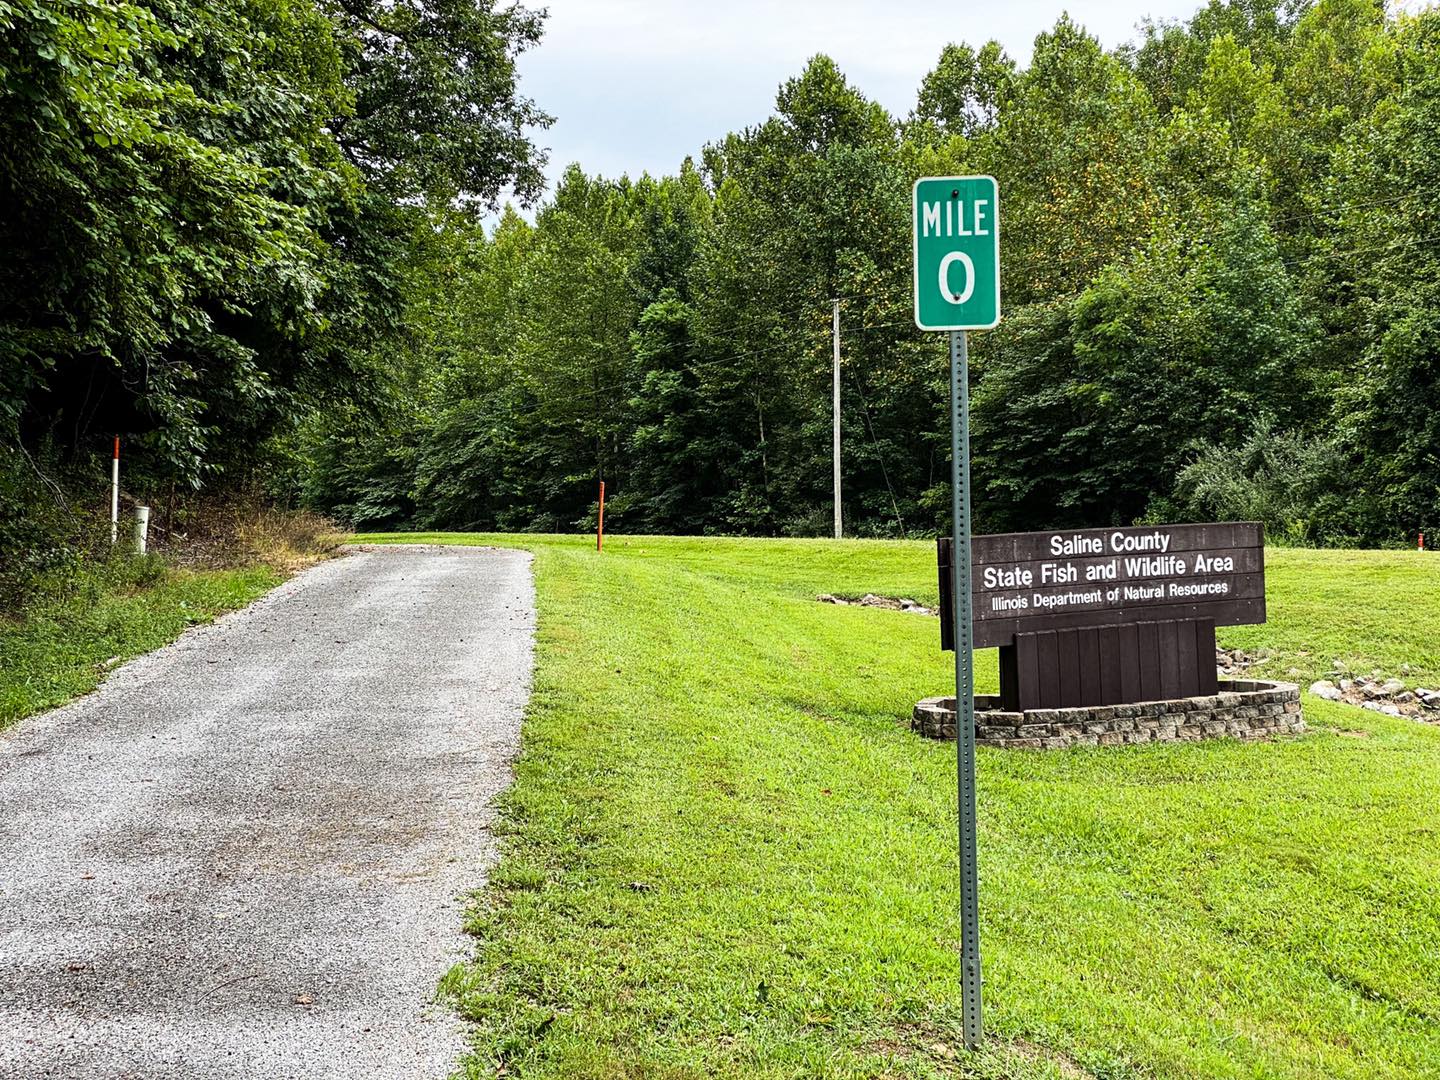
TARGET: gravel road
(244,855)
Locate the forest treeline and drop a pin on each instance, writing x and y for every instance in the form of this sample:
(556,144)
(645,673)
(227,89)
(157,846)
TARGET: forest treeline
(1220,265)
(1220,262)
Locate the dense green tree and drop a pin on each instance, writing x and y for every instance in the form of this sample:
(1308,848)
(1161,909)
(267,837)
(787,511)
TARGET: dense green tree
(212,211)
(1171,57)
(262,218)
(435,112)
(966,91)
(158,166)
(1387,262)
(671,481)
(1196,337)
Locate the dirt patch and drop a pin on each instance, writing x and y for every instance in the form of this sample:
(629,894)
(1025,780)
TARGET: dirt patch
(1067,1066)
(909,1041)
(889,1048)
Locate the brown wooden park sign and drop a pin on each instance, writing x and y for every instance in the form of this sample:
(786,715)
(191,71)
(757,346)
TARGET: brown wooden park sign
(1108,616)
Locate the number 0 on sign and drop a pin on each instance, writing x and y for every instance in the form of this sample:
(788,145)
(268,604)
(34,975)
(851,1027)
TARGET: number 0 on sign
(957,253)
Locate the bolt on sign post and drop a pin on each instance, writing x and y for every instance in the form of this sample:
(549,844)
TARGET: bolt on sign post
(957,289)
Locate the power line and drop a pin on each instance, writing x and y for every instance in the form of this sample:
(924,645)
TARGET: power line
(693,364)
(864,328)
(1321,211)
(696,346)
(805,307)
(1361,251)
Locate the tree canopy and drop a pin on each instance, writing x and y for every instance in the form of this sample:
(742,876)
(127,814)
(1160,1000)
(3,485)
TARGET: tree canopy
(257,231)
(215,211)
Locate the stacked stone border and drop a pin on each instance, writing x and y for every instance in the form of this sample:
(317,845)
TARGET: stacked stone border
(1243,709)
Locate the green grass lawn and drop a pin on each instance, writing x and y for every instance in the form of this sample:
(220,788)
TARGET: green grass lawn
(1368,609)
(60,649)
(726,855)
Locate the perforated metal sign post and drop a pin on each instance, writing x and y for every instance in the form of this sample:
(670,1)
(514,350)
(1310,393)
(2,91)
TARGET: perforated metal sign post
(957,288)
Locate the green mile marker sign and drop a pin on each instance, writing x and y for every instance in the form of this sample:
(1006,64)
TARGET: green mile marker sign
(957,253)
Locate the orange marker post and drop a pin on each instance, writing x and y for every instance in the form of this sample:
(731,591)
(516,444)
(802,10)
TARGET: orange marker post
(600,524)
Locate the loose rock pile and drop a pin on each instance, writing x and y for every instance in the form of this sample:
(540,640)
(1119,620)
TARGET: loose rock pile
(871,600)
(1235,661)
(1380,694)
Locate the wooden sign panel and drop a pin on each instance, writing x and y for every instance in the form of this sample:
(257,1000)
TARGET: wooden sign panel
(1028,582)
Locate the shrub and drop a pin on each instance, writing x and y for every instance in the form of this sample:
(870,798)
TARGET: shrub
(1293,483)
(40,535)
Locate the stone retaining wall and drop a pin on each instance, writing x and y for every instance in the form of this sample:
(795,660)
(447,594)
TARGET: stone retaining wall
(1244,709)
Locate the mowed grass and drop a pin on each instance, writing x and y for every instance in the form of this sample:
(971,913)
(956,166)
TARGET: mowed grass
(725,855)
(1367,609)
(57,650)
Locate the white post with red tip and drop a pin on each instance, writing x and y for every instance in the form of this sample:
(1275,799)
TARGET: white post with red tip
(115,493)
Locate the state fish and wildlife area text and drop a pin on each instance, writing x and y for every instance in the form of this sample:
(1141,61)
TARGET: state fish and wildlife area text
(1029,582)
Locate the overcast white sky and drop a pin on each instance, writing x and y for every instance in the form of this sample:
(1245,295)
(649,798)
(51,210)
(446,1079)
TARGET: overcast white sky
(636,85)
